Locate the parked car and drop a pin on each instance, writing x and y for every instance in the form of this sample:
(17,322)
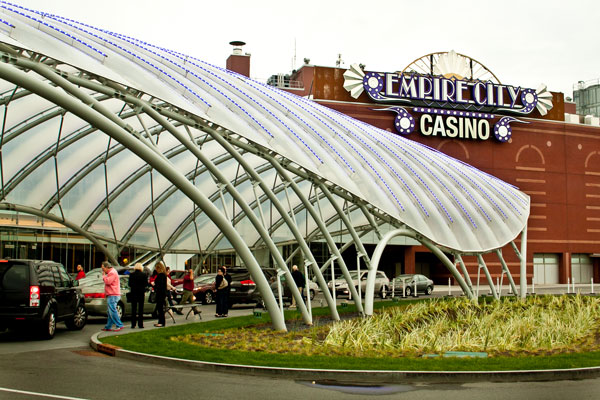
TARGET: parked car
(96,299)
(382,284)
(286,294)
(424,284)
(204,289)
(39,294)
(243,288)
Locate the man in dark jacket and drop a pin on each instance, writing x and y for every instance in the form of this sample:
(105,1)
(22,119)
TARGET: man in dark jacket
(299,281)
(138,281)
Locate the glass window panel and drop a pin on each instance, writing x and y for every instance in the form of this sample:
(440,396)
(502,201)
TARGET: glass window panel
(166,141)
(171,213)
(184,162)
(130,204)
(160,184)
(115,106)
(248,232)
(73,124)
(268,177)
(20,151)
(21,110)
(121,166)
(75,156)
(102,225)
(187,239)
(223,244)
(206,184)
(85,196)
(145,235)
(37,188)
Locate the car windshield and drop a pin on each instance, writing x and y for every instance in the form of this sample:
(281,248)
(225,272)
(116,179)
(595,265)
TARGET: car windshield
(405,277)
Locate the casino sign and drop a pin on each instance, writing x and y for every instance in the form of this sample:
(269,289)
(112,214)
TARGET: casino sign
(455,96)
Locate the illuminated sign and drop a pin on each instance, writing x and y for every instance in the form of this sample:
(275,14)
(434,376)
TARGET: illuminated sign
(450,107)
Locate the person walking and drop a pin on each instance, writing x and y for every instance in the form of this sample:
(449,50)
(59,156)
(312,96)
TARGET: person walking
(112,291)
(188,290)
(299,281)
(170,290)
(221,285)
(160,290)
(138,281)
(227,292)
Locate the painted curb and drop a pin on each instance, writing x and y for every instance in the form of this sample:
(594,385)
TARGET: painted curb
(364,376)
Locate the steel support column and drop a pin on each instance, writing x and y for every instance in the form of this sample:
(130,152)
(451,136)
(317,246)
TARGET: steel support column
(333,248)
(282,212)
(488,276)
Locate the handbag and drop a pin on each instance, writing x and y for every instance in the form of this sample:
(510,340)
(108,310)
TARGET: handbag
(128,296)
(223,284)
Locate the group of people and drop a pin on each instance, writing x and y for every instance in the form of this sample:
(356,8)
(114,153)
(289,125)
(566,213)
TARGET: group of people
(161,282)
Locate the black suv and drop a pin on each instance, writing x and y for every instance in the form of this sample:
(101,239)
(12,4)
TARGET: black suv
(39,294)
(243,288)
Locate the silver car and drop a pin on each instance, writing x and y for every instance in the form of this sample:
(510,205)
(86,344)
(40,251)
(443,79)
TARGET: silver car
(382,283)
(408,281)
(95,299)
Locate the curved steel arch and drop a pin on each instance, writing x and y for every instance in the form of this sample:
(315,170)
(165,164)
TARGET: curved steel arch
(113,129)
(370,289)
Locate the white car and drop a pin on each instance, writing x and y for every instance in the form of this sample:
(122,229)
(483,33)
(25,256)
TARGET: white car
(382,283)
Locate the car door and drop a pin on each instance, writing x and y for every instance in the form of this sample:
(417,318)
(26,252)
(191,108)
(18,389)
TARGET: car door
(66,294)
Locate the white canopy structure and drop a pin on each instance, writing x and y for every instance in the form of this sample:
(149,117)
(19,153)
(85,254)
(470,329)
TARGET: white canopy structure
(130,143)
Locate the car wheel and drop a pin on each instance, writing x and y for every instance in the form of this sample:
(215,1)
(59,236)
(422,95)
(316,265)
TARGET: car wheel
(312,294)
(208,297)
(77,322)
(408,291)
(429,290)
(383,293)
(49,325)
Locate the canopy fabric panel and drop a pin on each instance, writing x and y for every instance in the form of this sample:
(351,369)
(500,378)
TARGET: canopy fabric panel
(56,162)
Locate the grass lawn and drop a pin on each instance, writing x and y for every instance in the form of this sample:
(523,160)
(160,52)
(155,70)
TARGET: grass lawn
(174,342)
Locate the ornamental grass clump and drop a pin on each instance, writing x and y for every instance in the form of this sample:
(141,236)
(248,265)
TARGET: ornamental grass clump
(541,324)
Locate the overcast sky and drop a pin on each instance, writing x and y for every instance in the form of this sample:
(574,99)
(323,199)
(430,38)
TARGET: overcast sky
(522,42)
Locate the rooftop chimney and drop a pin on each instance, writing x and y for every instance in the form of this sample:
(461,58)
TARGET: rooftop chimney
(237,61)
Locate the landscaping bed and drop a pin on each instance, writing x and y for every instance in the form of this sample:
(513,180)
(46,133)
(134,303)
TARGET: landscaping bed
(541,332)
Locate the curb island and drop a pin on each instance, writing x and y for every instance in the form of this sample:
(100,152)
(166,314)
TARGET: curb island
(363,376)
